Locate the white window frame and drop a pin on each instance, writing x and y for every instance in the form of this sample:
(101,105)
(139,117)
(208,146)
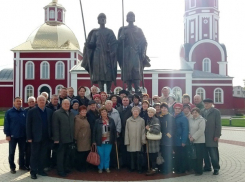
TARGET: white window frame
(26,70)
(115,90)
(180,97)
(222,96)
(56,89)
(51,12)
(203,90)
(209,65)
(46,85)
(32,88)
(56,70)
(195,3)
(41,70)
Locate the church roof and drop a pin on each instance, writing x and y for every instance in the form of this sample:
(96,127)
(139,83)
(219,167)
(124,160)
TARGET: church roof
(6,74)
(203,74)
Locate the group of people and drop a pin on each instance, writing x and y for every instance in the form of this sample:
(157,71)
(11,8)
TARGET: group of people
(128,131)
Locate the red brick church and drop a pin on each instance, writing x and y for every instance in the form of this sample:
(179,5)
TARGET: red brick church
(51,59)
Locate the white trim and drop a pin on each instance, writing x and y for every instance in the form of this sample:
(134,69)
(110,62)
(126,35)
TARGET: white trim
(17,77)
(56,88)
(205,11)
(68,72)
(204,92)
(74,82)
(229,78)
(209,65)
(25,96)
(6,85)
(201,9)
(181,93)
(40,86)
(222,68)
(192,13)
(211,84)
(6,81)
(56,14)
(115,89)
(26,70)
(188,85)
(56,70)
(195,3)
(154,84)
(48,14)
(222,96)
(207,41)
(21,79)
(41,69)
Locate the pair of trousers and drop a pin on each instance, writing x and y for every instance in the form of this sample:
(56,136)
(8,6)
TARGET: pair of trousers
(38,156)
(27,154)
(62,157)
(153,160)
(213,154)
(12,146)
(198,162)
(167,154)
(135,161)
(181,159)
(123,153)
(104,152)
(82,160)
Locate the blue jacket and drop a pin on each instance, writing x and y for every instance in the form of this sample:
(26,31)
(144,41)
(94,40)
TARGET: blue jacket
(167,129)
(182,129)
(15,123)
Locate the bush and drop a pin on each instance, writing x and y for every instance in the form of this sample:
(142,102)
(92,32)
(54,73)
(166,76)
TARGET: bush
(239,114)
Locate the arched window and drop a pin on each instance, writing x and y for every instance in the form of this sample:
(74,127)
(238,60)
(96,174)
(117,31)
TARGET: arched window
(51,14)
(29,70)
(59,70)
(29,91)
(218,96)
(206,65)
(117,90)
(44,70)
(178,93)
(201,92)
(58,88)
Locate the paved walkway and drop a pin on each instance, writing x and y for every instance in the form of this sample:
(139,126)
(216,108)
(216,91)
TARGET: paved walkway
(232,161)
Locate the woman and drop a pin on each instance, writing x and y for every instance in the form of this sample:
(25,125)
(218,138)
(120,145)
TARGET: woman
(197,126)
(115,103)
(97,99)
(181,139)
(135,138)
(168,130)
(104,135)
(158,109)
(153,126)
(187,111)
(83,138)
(171,102)
(136,101)
(143,112)
(81,96)
(75,107)
(103,97)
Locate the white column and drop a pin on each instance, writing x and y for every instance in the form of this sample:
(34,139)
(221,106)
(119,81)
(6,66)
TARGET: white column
(56,14)
(74,82)
(222,68)
(188,85)
(48,14)
(17,75)
(154,84)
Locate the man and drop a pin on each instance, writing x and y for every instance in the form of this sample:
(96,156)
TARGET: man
(113,113)
(131,54)
(94,91)
(14,129)
(54,105)
(92,114)
(70,94)
(165,94)
(212,135)
(125,113)
(31,104)
(136,101)
(63,94)
(100,53)
(103,97)
(63,134)
(155,99)
(122,94)
(45,94)
(198,102)
(186,100)
(38,133)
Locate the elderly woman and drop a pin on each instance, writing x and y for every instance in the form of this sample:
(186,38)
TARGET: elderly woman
(82,137)
(158,110)
(75,107)
(104,135)
(115,103)
(197,126)
(153,126)
(187,111)
(135,138)
(171,100)
(103,97)
(97,99)
(82,100)
(143,111)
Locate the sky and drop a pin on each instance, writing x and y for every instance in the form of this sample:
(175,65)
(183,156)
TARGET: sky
(160,20)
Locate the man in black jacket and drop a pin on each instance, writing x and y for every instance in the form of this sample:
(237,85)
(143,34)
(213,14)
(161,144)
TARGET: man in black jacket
(92,114)
(125,113)
(54,105)
(38,133)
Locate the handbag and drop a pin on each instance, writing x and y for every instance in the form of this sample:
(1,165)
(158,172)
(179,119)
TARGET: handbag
(193,152)
(160,159)
(151,136)
(93,156)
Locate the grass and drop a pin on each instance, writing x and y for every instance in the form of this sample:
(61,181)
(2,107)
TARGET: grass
(2,113)
(234,122)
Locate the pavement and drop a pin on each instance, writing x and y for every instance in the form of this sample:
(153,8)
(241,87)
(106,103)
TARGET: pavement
(232,162)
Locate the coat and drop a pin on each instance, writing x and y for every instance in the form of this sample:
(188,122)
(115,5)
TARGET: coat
(144,115)
(213,126)
(167,129)
(82,133)
(51,106)
(116,117)
(134,134)
(197,128)
(97,133)
(92,116)
(200,105)
(34,124)
(182,129)
(155,128)
(82,101)
(124,115)
(63,126)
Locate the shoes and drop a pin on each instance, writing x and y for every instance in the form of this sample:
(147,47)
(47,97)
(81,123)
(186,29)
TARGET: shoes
(42,173)
(206,170)
(62,174)
(13,171)
(33,176)
(23,168)
(216,172)
(100,171)
(108,170)
(151,173)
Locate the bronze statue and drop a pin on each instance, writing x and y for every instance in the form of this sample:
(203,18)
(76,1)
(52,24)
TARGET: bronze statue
(99,55)
(131,54)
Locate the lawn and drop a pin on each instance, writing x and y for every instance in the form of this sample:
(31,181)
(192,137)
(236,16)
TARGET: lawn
(1,117)
(234,122)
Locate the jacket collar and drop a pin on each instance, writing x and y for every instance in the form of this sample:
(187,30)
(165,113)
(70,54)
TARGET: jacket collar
(179,115)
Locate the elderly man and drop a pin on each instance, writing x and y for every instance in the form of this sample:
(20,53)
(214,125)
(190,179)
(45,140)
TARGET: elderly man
(212,135)
(165,94)
(92,114)
(94,91)
(187,100)
(63,94)
(45,94)
(198,102)
(63,134)
(14,129)
(54,105)
(155,99)
(70,94)
(38,133)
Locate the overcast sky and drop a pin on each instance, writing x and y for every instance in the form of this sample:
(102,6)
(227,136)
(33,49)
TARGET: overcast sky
(160,20)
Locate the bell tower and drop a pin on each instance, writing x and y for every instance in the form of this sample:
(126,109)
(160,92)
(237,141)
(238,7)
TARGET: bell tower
(54,13)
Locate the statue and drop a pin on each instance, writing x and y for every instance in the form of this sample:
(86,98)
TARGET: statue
(131,54)
(99,55)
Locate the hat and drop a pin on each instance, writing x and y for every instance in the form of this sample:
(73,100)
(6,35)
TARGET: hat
(96,95)
(178,105)
(123,92)
(208,100)
(171,95)
(136,96)
(74,101)
(91,102)
(187,105)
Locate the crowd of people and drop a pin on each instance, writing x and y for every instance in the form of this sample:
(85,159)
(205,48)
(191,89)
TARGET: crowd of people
(157,135)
